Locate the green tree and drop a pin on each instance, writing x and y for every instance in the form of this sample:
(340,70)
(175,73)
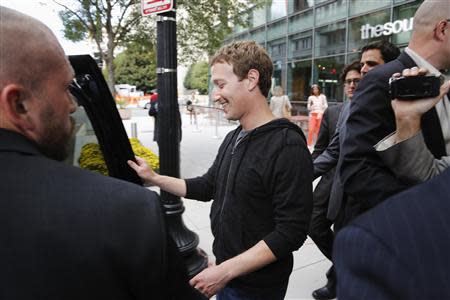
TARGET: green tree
(202,25)
(136,66)
(106,22)
(197,77)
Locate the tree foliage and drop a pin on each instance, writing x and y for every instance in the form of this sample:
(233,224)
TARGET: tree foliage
(197,77)
(202,25)
(106,22)
(137,66)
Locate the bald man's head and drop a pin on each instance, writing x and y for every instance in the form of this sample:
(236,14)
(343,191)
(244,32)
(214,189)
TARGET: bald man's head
(431,33)
(35,77)
(428,14)
(29,50)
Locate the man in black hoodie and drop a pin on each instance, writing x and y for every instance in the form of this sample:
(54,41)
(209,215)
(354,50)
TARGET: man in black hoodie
(260,181)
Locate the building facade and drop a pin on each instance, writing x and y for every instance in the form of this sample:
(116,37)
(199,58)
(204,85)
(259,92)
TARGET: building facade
(310,41)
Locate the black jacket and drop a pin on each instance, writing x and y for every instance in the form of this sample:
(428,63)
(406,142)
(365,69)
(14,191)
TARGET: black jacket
(67,233)
(398,250)
(262,190)
(326,133)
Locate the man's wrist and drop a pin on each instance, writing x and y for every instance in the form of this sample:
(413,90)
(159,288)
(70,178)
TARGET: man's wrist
(407,127)
(229,270)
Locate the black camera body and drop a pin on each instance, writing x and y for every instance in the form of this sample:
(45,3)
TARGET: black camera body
(414,88)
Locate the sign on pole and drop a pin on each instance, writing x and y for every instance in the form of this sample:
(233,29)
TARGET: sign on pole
(151,7)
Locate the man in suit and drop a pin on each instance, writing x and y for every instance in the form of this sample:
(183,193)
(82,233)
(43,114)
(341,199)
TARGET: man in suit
(373,54)
(68,233)
(320,226)
(399,249)
(366,178)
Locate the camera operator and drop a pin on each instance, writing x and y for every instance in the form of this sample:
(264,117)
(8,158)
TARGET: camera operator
(405,150)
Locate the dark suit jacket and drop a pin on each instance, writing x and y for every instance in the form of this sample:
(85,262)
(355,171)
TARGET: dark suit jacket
(398,250)
(68,233)
(326,133)
(330,158)
(364,175)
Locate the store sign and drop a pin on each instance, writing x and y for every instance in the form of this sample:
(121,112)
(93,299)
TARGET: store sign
(151,7)
(368,31)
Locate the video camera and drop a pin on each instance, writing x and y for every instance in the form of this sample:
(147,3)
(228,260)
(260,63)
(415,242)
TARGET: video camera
(414,88)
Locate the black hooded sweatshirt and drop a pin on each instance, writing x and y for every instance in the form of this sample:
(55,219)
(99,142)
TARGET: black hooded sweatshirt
(262,190)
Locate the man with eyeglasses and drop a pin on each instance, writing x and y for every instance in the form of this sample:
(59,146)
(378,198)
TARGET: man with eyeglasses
(328,195)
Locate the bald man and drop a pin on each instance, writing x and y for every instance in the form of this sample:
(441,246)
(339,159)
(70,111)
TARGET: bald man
(366,178)
(67,233)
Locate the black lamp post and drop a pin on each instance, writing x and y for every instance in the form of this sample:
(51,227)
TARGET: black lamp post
(169,136)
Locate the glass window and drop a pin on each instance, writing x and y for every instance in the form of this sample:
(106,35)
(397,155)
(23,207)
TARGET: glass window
(276,30)
(84,135)
(298,5)
(365,29)
(242,37)
(404,14)
(326,74)
(301,21)
(353,56)
(258,35)
(331,12)
(277,49)
(277,9)
(401,1)
(320,1)
(298,83)
(300,45)
(330,39)
(362,6)
(279,70)
(258,16)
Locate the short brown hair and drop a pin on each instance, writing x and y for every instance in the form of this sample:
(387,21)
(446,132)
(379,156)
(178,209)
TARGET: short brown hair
(244,56)
(354,66)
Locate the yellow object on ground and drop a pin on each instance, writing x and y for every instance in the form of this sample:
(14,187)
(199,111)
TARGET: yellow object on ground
(91,157)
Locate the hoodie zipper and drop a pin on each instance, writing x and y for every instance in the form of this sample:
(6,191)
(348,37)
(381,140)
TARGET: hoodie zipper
(227,191)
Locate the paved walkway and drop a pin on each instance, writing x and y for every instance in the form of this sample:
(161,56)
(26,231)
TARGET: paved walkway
(198,150)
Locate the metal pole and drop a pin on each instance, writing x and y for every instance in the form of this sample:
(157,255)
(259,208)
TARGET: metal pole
(169,140)
(216,136)
(134,130)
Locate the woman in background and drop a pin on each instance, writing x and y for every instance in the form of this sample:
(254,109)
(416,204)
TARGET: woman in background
(317,103)
(280,104)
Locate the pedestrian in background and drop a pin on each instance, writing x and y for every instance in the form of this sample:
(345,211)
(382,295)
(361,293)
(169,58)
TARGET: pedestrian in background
(280,104)
(191,108)
(320,227)
(317,103)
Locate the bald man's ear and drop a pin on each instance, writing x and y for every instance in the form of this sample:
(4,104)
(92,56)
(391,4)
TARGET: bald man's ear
(440,30)
(15,104)
(253,79)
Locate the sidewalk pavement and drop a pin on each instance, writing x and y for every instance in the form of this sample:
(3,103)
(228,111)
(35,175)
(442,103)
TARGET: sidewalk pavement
(197,152)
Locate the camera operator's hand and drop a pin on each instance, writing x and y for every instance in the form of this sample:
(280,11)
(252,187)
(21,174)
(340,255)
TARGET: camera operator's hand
(408,114)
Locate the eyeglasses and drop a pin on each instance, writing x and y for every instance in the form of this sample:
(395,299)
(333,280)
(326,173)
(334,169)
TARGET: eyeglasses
(350,81)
